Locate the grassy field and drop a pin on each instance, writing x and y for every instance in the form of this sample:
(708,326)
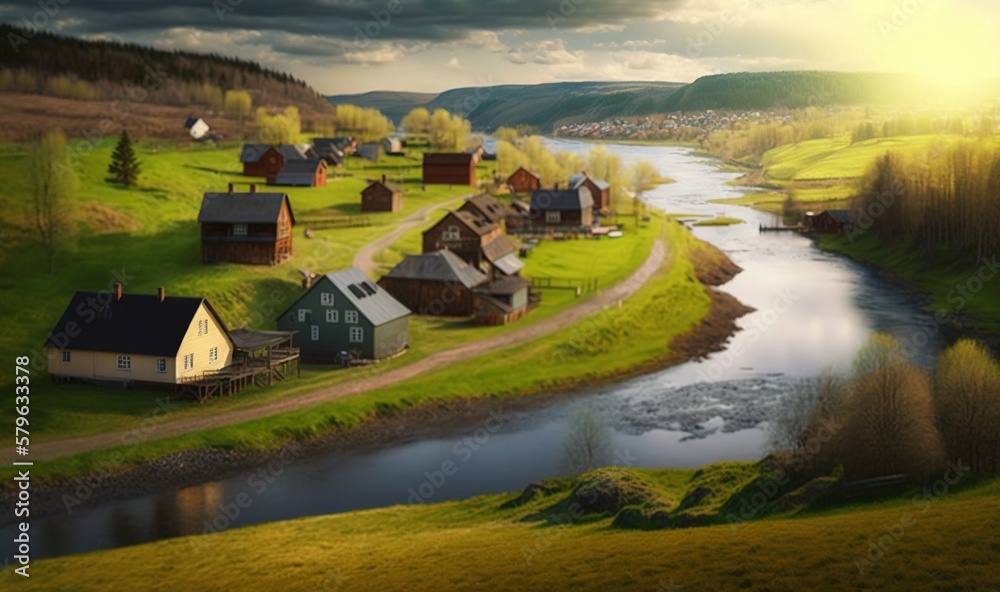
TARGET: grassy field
(149,236)
(946,541)
(719,221)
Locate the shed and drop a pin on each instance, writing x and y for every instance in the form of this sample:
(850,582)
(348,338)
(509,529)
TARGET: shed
(832,222)
(524,181)
(502,301)
(439,283)
(301,173)
(382,196)
(457,168)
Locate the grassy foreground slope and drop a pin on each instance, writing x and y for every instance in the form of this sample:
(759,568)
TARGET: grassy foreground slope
(950,543)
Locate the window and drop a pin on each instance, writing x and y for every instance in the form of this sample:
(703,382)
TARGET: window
(326,298)
(189,361)
(304,314)
(314,333)
(213,355)
(351,317)
(203,327)
(64,357)
(553,217)
(452,234)
(124,362)
(332,316)
(239,229)
(161,365)
(357,334)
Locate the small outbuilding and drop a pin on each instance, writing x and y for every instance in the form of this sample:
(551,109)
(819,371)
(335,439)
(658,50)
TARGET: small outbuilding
(524,181)
(566,210)
(458,168)
(502,301)
(265,160)
(382,196)
(198,128)
(600,191)
(832,222)
(301,173)
(439,283)
(347,313)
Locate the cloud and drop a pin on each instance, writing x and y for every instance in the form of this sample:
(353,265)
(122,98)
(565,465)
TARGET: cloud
(546,53)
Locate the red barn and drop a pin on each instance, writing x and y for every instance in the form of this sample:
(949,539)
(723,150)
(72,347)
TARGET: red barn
(457,168)
(524,181)
(600,191)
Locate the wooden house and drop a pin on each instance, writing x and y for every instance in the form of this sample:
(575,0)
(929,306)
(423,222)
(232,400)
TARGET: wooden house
(502,301)
(251,228)
(137,339)
(566,210)
(486,206)
(382,196)
(439,283)
(264,160)
(328,150)
(600,191)
(476,240)
(523,181)
(368,150)
(198,128)
(449,169)
(832,222)
(391,145)
(301,173)
(345,312)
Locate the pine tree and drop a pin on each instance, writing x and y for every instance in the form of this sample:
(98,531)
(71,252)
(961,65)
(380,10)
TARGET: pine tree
(124,167)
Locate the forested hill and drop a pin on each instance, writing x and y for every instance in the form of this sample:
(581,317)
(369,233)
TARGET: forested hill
(192,78)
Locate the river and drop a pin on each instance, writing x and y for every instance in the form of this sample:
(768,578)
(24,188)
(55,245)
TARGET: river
(814,310)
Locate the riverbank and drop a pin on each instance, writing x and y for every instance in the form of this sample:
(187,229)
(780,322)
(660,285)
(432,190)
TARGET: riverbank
(214,454)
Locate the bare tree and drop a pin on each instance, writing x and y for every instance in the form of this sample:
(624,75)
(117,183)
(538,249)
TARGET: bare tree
(587,444)
(813,403)
(54,186)
(967,394)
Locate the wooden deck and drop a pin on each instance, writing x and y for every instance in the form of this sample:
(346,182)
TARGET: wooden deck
(262,366)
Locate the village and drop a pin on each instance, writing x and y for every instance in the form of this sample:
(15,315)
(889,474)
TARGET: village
(468,269)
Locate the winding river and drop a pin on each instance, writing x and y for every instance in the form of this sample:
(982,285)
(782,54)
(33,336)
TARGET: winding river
(813,310)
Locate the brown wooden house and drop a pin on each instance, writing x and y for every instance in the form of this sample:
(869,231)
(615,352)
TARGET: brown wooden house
(524,181)
(250,228)
(476,240)
(382,196)
(264,160)
(565,210)
(449,169)
(831,222)
(439,283)
(600,191)
(502,301)
(486,206)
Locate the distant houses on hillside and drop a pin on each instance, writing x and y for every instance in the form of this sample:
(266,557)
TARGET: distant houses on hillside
(250,228)
(199,129)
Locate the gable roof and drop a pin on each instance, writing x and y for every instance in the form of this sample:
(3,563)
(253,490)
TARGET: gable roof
(578,179)
(392,187)
(137,324)
(339,143)
(449,158)
(371,300)
(291,152)
(840,216)
(243,208)
(298,172)
(191,121)
(563,200)
(521,168)
(439,266)
(488,206)
(476,224)
(499,247)
(253,152)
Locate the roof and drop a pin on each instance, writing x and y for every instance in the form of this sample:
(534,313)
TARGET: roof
(488,206)
(330,148)
(577,180)
(191,121)
(367,150)
(373,302)
(841,216)
(532,173)
(291,152)
(339,142)
(243,207)
(561,200)
(500,246)
(387,184)
(246,340)
(449,158)
(505,286)
(476,224)
(518,204)
(253,152)
(509,264)
(298,172)
(438,266)
(138,324)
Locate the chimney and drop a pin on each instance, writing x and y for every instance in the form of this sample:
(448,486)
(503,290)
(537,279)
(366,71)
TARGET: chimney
(557,186)
(383,179)
(230,188)
(161,293)
(117,288)
(253,188)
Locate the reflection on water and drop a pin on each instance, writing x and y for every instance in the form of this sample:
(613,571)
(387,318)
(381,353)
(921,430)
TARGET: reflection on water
(813,310)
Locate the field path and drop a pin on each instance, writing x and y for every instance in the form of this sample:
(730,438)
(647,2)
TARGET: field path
(365,259)
(563,319)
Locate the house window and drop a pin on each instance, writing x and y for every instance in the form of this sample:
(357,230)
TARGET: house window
(213,355)
(161,365)
(304,314)
(332,316)
(239,229)
(326,298)
(314,333)
(351,317)
(64,357)
(553,217)
(451,234)
(189,361)
(124,362)
(357,334)
(203,327)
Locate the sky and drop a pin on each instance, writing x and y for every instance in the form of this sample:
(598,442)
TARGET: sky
(351,46)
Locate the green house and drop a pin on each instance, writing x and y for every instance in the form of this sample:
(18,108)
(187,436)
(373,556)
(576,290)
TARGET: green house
(347,312)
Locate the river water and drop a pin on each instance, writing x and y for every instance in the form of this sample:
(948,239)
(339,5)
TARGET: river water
(813,310)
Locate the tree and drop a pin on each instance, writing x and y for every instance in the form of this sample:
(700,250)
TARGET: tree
(124,167)
(643,176)
(587,444)
(967,397)
(238,106)
(417,121)
(54,188)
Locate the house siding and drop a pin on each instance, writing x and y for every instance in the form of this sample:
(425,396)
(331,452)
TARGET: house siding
(391,338)
(200,345)
(333,337)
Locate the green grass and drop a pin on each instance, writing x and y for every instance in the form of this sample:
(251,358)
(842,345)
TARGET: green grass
(477,544)
(719,221)
(766,202)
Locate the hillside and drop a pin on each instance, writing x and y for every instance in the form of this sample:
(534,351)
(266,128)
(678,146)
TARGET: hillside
(539,105)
